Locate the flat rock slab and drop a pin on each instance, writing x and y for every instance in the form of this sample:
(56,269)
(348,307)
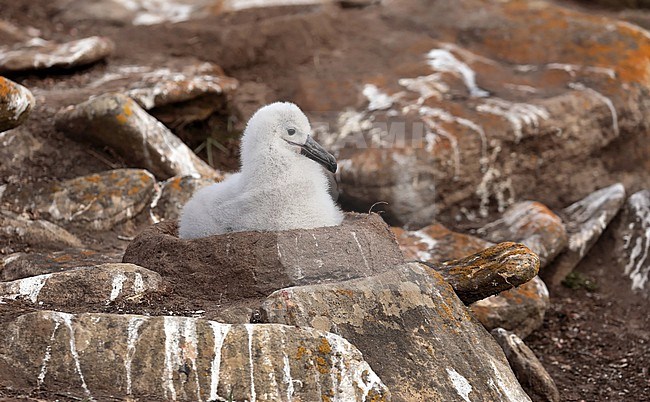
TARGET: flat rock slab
(632,234)
(254,264)
(530,372)
(413,331)
(104,356)
(435,243)
(520,310)
(38,54)
(174,194)
(533,224)
(16,102)
(117,121)
(97,202)
(585,222)
(37,233)
(90,285)
(23,265)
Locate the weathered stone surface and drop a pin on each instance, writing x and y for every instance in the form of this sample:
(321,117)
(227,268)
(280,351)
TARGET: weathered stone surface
(16,102)
(458,125)
(530,372)
(23,265)
(106,356)
(520,310)
(38,54)
(16,146)
(585,222)
(88,285)
(41,233)
(530,223)
(490,271)
(174,194)
(97,201)
(435,243)
(412,330)
(632,234)
(144,12)
(115,120)
(254,264)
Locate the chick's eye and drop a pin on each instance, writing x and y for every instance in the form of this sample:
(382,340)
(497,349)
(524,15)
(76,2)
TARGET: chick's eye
(291,131)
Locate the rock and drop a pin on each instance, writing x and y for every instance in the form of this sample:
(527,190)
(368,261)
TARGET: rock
(585,222)
(23,265)
(490,271)
(82,286)
(455,126)
(435,244)
(174,194)
(16,146)
(532,376)
(39,233)
(108,356)
(520,310)
(254,264)
(143,12)
(16,102)
(98,201)
(11,34)
(533,224)
(632,234)
(115,120)
(412,330)
(38,54)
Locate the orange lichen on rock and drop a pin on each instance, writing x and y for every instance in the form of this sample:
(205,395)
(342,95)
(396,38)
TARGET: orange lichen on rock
(123,117)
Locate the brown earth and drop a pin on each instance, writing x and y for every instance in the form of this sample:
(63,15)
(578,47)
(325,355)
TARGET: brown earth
(595,343)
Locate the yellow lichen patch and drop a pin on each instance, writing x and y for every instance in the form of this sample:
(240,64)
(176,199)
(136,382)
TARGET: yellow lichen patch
(321,365)
(325,347)
(301,352)
(126,112)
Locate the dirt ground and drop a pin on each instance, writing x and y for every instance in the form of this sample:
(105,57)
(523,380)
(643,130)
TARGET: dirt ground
(595,343)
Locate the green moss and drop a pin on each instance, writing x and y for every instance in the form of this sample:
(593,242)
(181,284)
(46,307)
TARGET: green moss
(576,280)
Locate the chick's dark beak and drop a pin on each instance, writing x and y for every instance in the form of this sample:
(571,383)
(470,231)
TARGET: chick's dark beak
(315,152)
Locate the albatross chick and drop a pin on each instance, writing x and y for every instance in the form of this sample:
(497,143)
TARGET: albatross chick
(281,184)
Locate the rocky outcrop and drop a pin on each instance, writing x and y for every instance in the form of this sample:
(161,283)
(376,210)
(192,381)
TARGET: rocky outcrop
(103,356)
(520,309)
(16,102)
(585,221)
(97,201)
(530,372)
(632,235)
(115,120)
(38,54)
(455,127)
(90,285)
(411,328)
(254,264)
